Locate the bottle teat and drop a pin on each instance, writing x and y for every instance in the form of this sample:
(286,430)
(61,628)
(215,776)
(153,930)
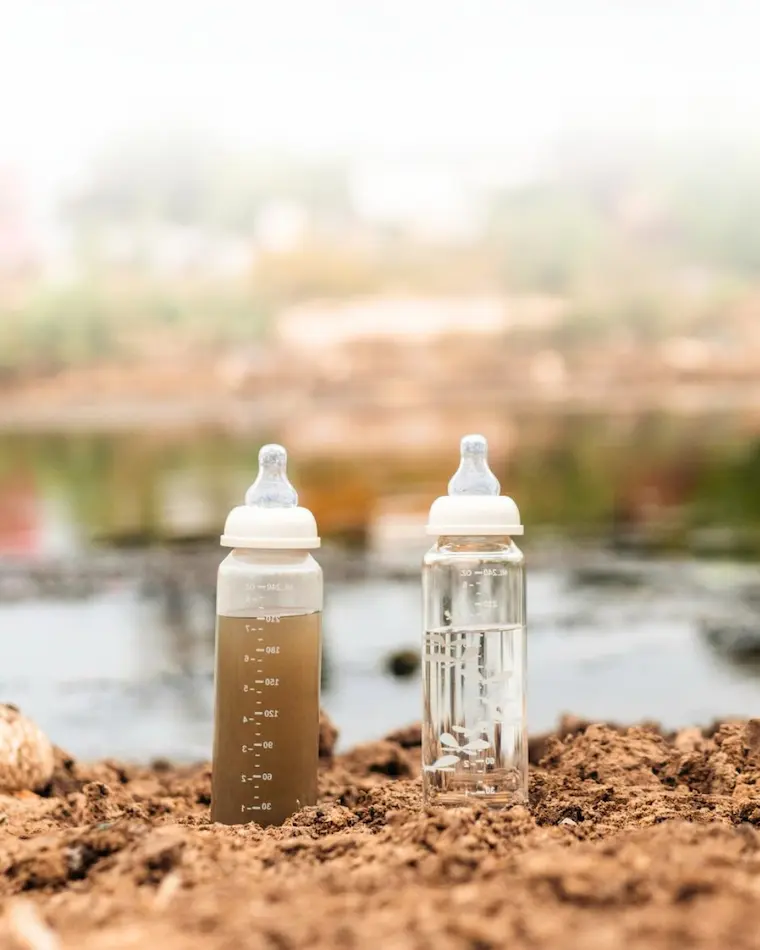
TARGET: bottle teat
(474,477)
(272,489)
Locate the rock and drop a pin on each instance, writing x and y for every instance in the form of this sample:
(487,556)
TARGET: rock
(403,663)
(27,758)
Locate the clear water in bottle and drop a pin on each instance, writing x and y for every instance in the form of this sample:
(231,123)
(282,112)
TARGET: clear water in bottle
(474,741)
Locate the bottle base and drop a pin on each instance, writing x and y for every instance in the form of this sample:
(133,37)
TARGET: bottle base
(497,802)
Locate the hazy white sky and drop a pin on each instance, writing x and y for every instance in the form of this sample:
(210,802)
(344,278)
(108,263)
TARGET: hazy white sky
(378,76)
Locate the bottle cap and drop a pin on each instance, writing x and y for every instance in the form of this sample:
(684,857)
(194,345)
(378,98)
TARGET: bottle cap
(271,517)
(473,505)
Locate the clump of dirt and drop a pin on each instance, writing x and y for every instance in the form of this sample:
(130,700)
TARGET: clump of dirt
(633,837)
(328,736)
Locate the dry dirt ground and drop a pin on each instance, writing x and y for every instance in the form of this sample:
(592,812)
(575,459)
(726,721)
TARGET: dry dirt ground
(634,838)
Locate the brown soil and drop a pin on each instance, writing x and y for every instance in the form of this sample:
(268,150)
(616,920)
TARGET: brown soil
(634,838)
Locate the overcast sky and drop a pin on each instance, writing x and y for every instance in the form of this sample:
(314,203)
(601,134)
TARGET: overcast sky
(369,76)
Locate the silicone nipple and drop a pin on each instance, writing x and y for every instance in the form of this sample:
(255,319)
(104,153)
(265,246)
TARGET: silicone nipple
(474,477)
(272,488)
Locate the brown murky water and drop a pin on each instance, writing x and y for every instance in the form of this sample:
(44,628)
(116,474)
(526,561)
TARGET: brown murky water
(266,730)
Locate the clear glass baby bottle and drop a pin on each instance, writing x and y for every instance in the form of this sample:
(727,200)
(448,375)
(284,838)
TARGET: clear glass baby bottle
(268,655)
(474,736)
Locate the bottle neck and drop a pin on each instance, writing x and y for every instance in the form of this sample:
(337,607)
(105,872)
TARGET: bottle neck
(269,556)
(491,544)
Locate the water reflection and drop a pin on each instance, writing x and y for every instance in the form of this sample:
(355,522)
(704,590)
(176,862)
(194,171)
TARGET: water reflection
(182,590)
(629,479)
(185,621)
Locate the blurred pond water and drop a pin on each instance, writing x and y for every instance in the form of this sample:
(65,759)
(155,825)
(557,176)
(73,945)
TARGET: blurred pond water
(127,670)
(117,658)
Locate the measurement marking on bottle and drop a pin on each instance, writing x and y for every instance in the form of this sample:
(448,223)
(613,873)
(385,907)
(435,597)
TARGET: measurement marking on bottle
(258,681)
(261,649)
(258,713)
(257,743)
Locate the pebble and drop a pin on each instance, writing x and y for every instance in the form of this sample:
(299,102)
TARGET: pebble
(27,759)
(403,663)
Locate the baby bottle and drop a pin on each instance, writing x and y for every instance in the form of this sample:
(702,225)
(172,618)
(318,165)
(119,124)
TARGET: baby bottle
(474,737)
(268,654)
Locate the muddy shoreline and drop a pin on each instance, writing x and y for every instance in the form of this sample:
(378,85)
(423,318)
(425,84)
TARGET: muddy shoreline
(634,838)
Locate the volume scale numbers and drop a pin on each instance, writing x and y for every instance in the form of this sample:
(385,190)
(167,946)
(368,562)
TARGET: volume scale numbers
(257,656)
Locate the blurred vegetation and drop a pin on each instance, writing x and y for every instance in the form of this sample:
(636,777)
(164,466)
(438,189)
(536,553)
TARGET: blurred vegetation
(578,474)
(185,245)
(155,222)
(184,179)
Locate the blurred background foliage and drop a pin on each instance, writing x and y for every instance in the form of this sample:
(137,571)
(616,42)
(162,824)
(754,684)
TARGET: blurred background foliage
(621,242)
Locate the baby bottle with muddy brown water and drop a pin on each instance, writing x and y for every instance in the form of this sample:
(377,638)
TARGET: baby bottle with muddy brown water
(474,736)
(268,654)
